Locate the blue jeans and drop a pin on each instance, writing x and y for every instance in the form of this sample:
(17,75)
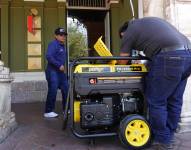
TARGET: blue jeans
(165,85)
(56,80)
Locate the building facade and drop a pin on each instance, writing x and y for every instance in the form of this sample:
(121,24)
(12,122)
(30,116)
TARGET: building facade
(27,26)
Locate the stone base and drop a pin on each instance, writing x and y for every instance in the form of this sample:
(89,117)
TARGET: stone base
(7,125)
(184,127)
(30,87)
(185,124)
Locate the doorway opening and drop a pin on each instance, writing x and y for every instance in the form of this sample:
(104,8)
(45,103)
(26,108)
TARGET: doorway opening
(97,24)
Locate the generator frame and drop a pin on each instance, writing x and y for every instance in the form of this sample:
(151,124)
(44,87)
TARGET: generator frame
(70,98)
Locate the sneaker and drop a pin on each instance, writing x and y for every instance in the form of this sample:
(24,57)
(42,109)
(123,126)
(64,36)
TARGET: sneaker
(68,112)
(50,115)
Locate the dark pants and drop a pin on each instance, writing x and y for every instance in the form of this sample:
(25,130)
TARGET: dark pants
(165,85)
(56,80)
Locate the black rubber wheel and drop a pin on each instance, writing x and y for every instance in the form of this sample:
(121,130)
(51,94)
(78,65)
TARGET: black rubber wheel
(134,132)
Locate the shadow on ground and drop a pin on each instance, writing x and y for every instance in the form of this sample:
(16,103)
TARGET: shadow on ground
(37,133)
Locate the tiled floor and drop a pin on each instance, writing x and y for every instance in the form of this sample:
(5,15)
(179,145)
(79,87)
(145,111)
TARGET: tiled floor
(36,133)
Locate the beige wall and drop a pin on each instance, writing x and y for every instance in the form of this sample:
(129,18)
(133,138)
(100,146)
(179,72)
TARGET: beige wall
(153,8)
(183,17)
(177,12)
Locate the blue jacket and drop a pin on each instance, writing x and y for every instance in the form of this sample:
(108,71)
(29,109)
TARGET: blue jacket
(56,55)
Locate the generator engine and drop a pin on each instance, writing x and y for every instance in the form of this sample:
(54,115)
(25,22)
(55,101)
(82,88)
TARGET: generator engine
(106,111)
(99,112)
(130,103)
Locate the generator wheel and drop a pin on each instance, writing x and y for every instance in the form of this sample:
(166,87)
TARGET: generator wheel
(134,132)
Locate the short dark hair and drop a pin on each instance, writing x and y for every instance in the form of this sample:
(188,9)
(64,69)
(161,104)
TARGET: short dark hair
(123,28)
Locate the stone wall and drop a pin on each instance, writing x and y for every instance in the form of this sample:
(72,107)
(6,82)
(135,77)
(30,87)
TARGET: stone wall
(28,91)
(177,12)
(183,17)
(153,8)
(29,87)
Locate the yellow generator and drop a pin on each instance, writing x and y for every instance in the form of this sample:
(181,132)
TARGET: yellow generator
(108,99)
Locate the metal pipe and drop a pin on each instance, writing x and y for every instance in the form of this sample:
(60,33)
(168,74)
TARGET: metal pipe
(132,9)
(112,58)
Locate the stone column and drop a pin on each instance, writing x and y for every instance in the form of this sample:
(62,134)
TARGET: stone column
(153,8)
(7,118)
(166,9)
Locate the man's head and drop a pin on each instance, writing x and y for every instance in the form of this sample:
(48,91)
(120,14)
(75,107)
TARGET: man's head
(123,28)
(60,34)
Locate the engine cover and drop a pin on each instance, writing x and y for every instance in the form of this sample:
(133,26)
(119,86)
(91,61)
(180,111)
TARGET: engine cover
(96,115)
(129,105)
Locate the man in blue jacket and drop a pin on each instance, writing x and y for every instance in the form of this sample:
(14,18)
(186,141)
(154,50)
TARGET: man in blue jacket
(55,72)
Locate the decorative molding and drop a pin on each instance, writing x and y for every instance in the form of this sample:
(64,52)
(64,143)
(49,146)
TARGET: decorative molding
(62,1)
(34,63)
(34,0)
(113,1)
(140,8)
(4,2)
(183,1)
(93,5)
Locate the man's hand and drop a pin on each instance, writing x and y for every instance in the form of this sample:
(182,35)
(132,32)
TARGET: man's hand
(123,62)
(61,68)
(136,62)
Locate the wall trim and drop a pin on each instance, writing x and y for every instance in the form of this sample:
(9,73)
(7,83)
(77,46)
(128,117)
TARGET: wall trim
(140,8)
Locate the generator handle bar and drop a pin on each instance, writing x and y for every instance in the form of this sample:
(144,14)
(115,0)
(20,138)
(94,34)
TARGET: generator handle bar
(93,135)
(112,58)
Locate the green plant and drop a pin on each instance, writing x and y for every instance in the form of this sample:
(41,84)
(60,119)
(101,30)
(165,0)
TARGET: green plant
(77,42)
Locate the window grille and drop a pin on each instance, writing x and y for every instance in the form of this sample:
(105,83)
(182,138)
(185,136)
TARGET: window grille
(88,4)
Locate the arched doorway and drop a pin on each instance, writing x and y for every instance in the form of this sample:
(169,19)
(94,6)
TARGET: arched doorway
(77,38)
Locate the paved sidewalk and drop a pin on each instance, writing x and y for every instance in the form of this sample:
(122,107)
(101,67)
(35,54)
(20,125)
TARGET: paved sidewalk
(36,133)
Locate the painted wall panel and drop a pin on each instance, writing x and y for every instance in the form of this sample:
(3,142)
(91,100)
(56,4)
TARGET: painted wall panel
(120,13)
(5,33)
(50,23)
(17,39)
